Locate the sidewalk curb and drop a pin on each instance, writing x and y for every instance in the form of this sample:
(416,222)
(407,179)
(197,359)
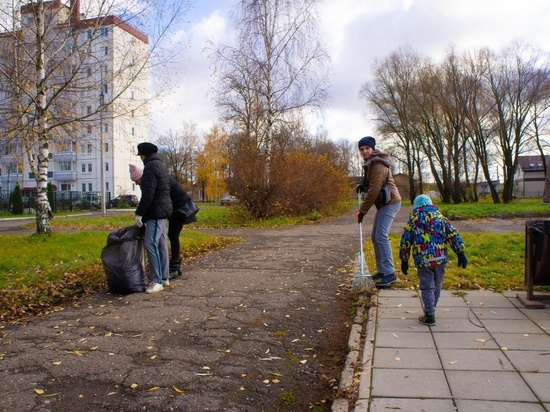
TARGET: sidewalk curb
(355,379)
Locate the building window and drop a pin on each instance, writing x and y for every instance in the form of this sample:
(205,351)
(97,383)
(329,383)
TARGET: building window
(106,127)
(89,34)
(89,71)
(65,187)
(64,165)
(88,109)
(106,166)
(104,31)
(106,50)
(90,187)
(89,167)
(105,88)
(133,131)
(106,147)
(83,187)
(132,94)
(107,186)
(90,147)
(83,168)
(89,129)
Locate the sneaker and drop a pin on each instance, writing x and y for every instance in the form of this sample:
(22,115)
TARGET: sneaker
(165,282)
(427,320)
(378,276)
(386,280)
(154,288)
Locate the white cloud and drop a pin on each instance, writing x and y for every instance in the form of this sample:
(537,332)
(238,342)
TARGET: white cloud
(357,33)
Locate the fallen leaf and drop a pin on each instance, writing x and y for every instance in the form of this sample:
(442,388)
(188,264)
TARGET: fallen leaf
(154,388)
(397,358)
(178,390)
(134,385)
(78,352)
(504,348)
(452,362)
(111,393)
(39,391)
(303,362)
(57,363)
(266,381)
(395,335)
(153,357)
(280,375)
(479,340)
(399,305)
(206,368)
(275,381)
(525,334)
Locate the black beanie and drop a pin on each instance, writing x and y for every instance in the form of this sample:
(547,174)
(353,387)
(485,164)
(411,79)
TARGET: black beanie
(146,149)
(368,141)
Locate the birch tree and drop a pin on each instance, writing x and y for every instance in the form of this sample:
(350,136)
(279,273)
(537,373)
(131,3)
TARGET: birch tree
(277,67)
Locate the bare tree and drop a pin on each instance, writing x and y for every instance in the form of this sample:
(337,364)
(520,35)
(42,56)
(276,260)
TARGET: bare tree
(390,97)
(179,150)
(277,68)
(49,63)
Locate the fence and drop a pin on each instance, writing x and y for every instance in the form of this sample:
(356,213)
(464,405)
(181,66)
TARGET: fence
(63,201)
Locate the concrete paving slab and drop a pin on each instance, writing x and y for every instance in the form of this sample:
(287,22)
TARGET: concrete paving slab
(452,312)
(539,383)
(479,339)
(402,358)
(536,314)
(398,325)
(534,341)
(402,339)
(488,406)
(477,300)
(399,302)
(499,313)
(544,325)
(451,301)
(409,383)
(457,325)
(514,326)
(490,386)
(400,313)
(474,359)
(411,405)
(530,361)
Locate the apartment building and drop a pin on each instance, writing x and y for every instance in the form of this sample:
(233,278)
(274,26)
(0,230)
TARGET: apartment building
(97,66)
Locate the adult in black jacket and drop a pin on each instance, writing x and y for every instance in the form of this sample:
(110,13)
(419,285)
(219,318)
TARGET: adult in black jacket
(179,198)
(154,208)
(175,224)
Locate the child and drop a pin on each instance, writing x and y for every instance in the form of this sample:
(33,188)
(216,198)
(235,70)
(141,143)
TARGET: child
(427,234)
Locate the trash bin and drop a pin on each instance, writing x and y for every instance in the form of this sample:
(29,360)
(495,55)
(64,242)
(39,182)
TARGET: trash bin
(537,261)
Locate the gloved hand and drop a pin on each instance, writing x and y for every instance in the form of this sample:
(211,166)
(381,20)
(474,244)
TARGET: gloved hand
(139,221)
(405,267)
(462,261)
(360,188)
(360,216)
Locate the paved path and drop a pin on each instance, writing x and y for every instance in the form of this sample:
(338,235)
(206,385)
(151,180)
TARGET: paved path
(486,353)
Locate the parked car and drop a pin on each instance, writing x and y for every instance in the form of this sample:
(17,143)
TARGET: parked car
(89,200)
(125,200)
(228,200)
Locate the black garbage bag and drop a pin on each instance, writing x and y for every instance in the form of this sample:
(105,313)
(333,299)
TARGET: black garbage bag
(123,261)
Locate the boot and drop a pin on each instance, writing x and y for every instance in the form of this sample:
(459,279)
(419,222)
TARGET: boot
(175,269)
(427,319)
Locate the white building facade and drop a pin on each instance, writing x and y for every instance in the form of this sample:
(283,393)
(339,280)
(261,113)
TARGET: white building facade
(102,114)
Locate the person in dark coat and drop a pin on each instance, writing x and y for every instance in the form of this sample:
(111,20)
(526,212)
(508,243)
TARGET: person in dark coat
(153,210)
(179,198)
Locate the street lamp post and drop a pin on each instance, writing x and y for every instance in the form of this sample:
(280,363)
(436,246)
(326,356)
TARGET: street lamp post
(101,137)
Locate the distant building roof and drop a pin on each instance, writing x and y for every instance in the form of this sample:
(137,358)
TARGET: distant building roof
(532,163)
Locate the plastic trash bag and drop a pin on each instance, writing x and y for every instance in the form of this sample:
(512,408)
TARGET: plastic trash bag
(123,261)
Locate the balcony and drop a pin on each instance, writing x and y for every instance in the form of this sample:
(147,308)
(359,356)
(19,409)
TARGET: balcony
(66,175)
(64,157)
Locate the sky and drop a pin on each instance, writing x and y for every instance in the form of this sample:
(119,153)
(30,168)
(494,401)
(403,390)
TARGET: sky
(356,33)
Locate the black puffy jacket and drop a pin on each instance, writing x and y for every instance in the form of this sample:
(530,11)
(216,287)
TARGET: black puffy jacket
(155,200)
(178,194)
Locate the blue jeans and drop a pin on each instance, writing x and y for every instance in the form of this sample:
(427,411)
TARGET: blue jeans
(430,286)
(157,249)
(380,230)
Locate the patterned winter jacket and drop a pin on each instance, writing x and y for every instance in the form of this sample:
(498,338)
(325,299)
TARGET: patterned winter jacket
(427,234)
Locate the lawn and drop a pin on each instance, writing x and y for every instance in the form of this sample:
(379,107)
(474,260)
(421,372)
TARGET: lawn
(38,272)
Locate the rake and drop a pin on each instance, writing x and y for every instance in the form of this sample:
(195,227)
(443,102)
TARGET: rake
(362,278)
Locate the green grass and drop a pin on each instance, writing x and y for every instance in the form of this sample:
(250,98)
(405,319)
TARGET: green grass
(38,272)
(487,209)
